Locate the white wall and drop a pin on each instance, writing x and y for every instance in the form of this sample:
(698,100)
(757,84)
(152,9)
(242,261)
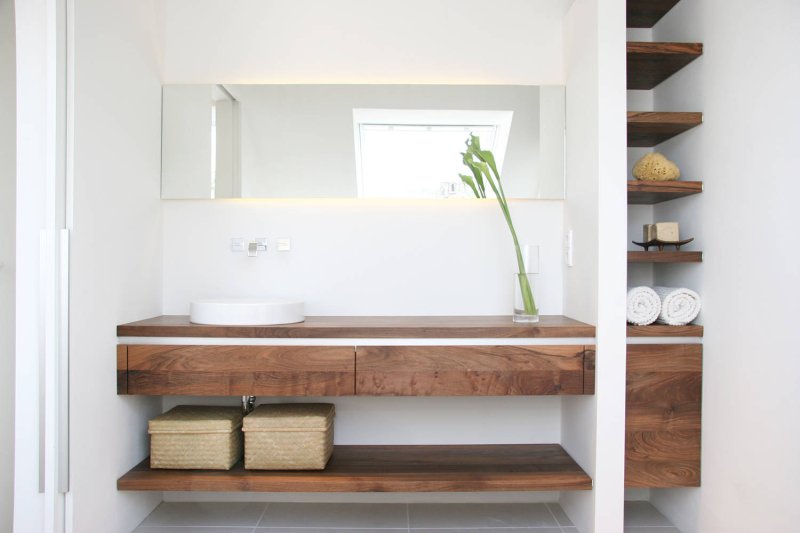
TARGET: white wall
(352,257)
(186,138)
(594,289)
(745,222)
(8,173)
(363,41)
(116,250)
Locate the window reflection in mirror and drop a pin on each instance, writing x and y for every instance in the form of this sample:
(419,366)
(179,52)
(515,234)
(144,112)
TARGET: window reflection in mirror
(348,141)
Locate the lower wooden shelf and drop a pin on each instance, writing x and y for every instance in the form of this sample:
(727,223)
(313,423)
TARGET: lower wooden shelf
(451,468)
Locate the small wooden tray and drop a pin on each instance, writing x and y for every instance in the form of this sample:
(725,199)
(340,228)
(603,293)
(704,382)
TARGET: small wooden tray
(661,244)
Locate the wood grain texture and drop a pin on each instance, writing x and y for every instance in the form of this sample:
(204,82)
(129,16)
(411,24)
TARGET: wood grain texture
(469,370)
(649,128)
(465,468)
(209,370)
(651,63)
(655,256)
(588,370)
(645,13)
(663,415)
(664,330)
(122,369)
(360,327)
(654,192)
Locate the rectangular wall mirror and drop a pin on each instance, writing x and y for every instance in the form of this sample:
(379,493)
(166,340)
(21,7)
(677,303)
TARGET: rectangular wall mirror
(357,141)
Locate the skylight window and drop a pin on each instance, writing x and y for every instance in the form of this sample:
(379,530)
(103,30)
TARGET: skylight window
(415,153)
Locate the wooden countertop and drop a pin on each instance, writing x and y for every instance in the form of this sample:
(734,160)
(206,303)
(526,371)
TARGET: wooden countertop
(355,327)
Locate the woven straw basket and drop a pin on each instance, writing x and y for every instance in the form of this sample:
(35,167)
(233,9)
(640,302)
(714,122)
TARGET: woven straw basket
(289,436)
(193,436)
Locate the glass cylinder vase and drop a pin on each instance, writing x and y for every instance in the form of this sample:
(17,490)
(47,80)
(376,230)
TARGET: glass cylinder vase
(525,309)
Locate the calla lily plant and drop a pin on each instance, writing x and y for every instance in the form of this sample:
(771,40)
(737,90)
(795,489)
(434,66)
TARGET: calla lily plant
(483,168)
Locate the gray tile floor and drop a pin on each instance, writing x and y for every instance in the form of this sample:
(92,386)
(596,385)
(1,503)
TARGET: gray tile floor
(183,517)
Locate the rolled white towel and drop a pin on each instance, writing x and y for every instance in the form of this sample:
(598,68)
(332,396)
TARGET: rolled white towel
(679,306)
(644,305)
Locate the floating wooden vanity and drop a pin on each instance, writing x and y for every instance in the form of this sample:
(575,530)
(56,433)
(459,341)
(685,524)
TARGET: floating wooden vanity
(366,356)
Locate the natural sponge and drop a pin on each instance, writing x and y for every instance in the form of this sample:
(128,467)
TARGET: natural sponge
(655,167)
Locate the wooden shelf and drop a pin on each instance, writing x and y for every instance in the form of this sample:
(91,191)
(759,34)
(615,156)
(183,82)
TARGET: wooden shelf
(374,327)
(464,468)
(663,330)
(648,128)
(645,13)
(651,63)
(654,192)
(664,257)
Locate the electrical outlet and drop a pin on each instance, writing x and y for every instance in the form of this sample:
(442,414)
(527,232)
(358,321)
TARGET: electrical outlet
(283,244)
(237,244)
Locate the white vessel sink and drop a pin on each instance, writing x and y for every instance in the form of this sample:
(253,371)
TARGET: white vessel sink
(246,312)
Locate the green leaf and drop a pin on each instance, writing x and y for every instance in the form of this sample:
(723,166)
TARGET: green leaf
(468,161)
(466,179)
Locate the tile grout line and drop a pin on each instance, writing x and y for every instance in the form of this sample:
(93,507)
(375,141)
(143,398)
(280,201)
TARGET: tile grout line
(408,518)
(558,524)
(260,518)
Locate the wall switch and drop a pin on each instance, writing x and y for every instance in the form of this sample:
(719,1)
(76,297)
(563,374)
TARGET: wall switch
(237,244)
(568,248)
(261,244)
(283,244)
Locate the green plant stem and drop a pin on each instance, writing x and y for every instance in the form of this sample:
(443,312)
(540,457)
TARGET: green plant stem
(524,284)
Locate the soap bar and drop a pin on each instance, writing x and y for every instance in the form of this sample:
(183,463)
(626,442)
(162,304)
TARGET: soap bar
(649,232)
(667,231)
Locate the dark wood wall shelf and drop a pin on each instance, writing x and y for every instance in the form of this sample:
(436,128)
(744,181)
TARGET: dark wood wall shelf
(649,128)
(361,327)
(654,192)
(664,257)
(464,468)
(663,330)
(645,13)
(651,63)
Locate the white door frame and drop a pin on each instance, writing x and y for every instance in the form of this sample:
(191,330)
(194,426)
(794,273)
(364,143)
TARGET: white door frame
(41,389)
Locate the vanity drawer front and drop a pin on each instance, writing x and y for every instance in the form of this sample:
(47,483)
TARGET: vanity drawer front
(663,415)
(241,370)
(469,370)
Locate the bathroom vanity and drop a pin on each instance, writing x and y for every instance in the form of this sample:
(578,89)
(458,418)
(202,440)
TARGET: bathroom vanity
(368,356)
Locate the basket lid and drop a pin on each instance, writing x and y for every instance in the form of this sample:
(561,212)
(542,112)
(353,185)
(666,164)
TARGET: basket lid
(197,419)
(290,416)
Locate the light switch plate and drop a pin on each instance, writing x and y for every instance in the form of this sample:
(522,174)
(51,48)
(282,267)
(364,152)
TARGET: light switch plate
(283,244)
(237,244)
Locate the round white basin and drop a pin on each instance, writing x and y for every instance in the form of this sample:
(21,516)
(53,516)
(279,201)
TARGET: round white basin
(246,312)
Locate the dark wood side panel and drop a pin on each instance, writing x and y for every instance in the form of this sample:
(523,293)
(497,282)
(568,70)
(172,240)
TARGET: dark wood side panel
(241,370)
(588,370)
(663,415)
(469,370)
(122,369)
(465,468)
